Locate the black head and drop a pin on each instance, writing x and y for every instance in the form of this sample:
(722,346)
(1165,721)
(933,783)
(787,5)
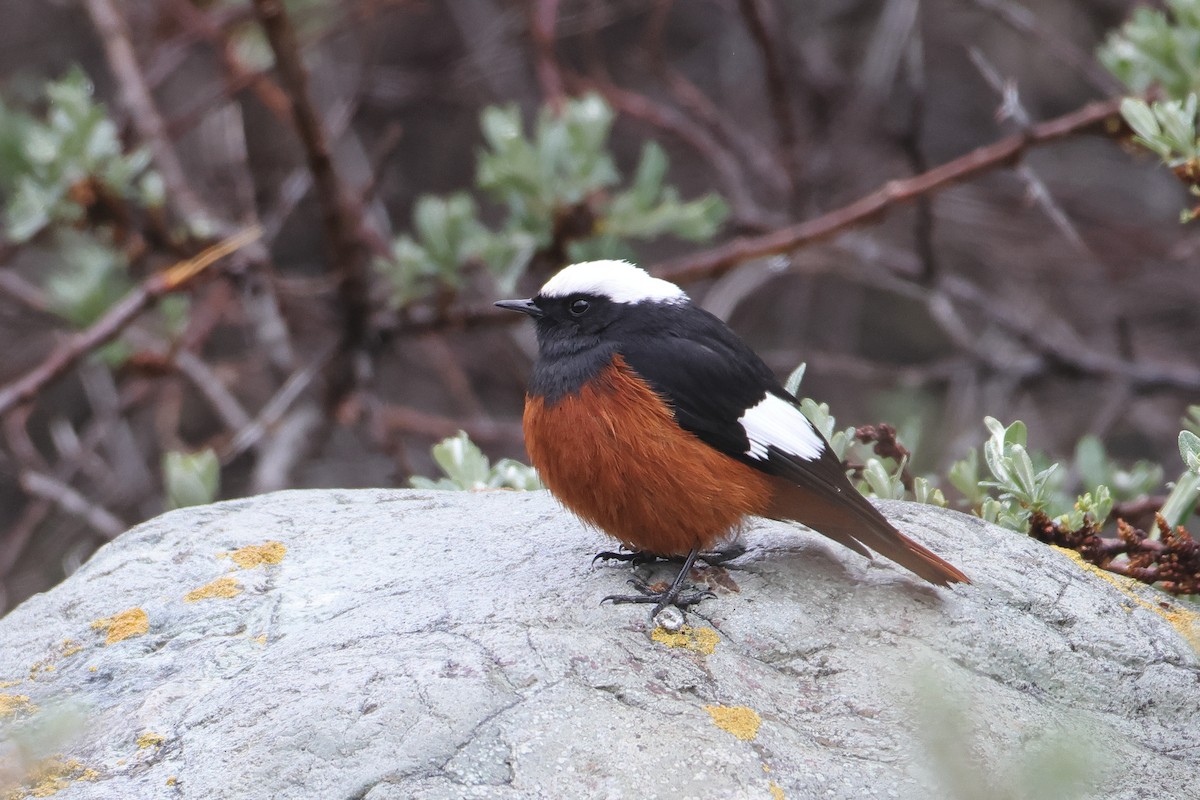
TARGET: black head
(591,303)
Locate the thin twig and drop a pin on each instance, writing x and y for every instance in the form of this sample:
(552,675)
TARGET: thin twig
(97,517)
(120,315)
(1023,20)
(276,407)
(640,107)
(722,258)
(137,99)
(341,215)
(761,22)
(544,19)
(1038,192)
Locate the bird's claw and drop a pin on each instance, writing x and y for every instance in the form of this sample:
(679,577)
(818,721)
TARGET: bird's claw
(661,599)
(634,557)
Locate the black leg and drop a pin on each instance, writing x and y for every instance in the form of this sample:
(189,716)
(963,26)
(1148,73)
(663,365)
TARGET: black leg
(673,596)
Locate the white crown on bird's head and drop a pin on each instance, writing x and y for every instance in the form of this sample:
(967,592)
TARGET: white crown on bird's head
(619,281)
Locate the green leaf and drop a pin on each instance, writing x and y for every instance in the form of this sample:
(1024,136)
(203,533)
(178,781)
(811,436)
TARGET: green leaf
(1189,450)
(191,479)
(926,492)
(90,279)
(793,380)
(468,469)
(1139,116)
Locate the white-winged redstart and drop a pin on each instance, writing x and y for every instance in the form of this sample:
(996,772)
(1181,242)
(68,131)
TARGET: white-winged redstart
(649,418)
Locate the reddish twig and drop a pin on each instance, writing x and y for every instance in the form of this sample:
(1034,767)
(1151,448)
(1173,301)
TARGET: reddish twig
(97,517)
(544,19)
(1172,561)
(721,259)
(761,22)
(137,99)
(883,436)
(341,215)
(118,317)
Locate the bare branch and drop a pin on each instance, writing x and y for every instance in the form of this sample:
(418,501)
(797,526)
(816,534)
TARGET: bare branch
(118,317)
(722,258)
(761,22)
(71,501)
(136,97)
(341,216)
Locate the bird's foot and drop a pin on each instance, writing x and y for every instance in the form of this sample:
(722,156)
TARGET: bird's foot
(635,558)
(671,596)
(716,558)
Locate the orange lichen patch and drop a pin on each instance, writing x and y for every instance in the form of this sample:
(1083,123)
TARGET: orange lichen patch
(1183,619)
(254,555)
(51,776)
(70,648)
(13,704)
(125,625)
(741,721)
(699,640)
(776,791)
(150,739)
(220,588)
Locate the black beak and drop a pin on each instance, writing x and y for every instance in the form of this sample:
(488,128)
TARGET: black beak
(524,306)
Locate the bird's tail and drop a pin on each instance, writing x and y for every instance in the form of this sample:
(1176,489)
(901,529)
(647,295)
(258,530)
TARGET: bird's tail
(851,520)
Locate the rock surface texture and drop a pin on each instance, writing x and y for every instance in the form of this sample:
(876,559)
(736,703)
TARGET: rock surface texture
(403,644)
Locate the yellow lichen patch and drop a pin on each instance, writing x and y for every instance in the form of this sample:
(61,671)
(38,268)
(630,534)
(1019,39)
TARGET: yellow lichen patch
(700,640)
(220,588)
(1181,618)
(51,776)
(253,555)
(10,684)
(13,704)
(261,639)
(776,791)
(70,648)
(741,721)
(149,739)
(171,781)
(125,625)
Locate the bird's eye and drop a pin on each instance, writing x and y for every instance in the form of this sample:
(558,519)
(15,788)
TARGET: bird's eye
(579,306)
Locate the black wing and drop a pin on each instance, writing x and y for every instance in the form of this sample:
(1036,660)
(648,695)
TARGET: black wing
(710,377)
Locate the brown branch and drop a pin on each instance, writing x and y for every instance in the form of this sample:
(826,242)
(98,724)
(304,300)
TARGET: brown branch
(640,107)
(341,216)
(719,260)
(543,20)
(120,315)
(761,22)
(411,420)
(1061,48)
(70,500)
(696,104)
(138,101)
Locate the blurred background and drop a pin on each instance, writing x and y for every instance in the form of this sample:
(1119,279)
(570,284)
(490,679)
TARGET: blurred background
(409,161)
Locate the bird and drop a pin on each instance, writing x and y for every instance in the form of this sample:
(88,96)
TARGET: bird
(649,418)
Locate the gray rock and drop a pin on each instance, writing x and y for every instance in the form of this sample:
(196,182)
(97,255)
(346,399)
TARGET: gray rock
(449,645)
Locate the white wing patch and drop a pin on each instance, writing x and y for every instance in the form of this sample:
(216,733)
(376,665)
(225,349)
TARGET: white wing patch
(776,422)
(619,281)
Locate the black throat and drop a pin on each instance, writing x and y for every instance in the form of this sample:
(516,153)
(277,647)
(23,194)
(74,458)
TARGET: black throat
(566,362)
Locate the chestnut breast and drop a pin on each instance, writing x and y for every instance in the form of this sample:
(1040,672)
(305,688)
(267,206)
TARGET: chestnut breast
(613,453)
